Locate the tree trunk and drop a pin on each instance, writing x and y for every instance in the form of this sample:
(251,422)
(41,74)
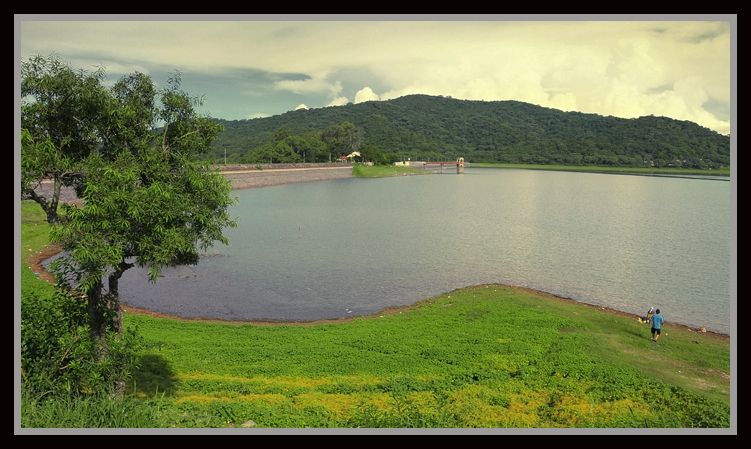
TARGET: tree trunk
(114,295)
(113,303)
(46,205)
(97,320)
(51,216)
(52,206)
(104,312)
(97,309)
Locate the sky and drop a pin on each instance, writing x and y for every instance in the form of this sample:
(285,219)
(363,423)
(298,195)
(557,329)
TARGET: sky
(253,69)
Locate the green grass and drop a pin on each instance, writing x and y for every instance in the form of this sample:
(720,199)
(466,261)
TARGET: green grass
(488,356)
(382,171)
(35,230)
(34,237)
(88,412)
(485,356)
(606,169)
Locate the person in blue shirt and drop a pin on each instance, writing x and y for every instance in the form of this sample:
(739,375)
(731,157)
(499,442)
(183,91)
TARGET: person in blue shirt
(656,325)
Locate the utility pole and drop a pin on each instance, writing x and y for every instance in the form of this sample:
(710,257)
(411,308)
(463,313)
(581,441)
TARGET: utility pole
(225,156)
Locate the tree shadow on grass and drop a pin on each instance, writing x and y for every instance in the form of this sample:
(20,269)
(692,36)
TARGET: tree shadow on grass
(154,376)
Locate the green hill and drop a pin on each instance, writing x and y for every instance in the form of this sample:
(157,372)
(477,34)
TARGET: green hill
(428,127)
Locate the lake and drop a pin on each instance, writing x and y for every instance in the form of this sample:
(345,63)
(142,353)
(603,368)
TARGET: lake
(355,246)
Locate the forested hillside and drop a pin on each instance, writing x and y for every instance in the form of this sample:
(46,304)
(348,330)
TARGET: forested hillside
(428,127)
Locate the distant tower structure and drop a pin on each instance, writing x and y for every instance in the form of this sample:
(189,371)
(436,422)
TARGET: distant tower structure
(460,165)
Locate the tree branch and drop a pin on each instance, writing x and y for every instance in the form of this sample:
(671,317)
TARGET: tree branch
(187,134)
(124,266)
(164,137)
(41,199)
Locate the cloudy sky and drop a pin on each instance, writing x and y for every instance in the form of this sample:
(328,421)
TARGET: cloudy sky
(249,69)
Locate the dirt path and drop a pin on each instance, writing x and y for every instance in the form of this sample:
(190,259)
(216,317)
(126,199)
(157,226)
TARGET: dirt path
(35,262)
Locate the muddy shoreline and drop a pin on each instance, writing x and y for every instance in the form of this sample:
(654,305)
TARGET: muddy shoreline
(35,262)
(399,309)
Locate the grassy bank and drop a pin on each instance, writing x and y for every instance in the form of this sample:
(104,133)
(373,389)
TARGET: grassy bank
(486,356)
(382,171)
(607,169)
(34,237)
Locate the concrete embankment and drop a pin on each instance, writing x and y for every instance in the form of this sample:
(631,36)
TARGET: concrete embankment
(248,176)
(244,177)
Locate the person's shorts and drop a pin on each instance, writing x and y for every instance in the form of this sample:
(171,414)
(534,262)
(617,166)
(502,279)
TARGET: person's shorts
(656,331)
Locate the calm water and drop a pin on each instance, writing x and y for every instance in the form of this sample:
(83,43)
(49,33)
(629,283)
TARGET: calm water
(354,246)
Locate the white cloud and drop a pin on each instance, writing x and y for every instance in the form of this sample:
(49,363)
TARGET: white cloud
(258,115)
(564,101)
(314,85)
(301,106)
(610,68)
(366,94)
(339,101)
(110,66)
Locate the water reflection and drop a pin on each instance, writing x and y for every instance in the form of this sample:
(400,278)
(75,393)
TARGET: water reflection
(354,246)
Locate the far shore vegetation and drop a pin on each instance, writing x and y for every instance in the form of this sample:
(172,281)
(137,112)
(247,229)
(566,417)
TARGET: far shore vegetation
(381,171)
(724,171)
(378,171)
(431,128)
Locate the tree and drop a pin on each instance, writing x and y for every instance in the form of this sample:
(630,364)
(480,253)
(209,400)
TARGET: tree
(375,155)
(343,138)
(147,201)
(334,139)
(130,123)
(61,113)
(354,136)
(280,134)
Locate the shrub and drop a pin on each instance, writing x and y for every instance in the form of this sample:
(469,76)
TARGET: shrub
(57,353)
(98,410)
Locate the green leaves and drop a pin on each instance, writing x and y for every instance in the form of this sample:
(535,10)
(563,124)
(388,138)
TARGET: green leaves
(153,205)
(144,195)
